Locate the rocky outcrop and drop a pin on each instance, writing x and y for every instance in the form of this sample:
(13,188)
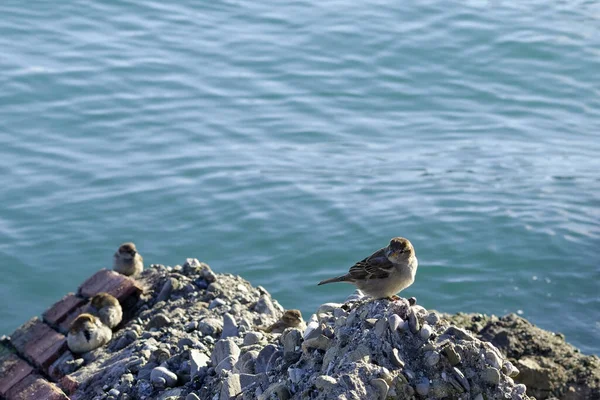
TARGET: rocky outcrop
(549,367)
(195,334)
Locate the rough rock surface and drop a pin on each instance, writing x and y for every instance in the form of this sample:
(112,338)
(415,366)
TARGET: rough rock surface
(549,366)
(197,334)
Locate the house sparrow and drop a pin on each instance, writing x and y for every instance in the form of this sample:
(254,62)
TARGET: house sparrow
(107,308)
(385,272)
(127,260)
(87,333)
(289,319)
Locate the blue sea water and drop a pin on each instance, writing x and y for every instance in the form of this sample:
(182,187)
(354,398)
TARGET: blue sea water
(284,141)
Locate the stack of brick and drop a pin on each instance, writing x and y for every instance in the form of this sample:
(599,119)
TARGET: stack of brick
(28,361)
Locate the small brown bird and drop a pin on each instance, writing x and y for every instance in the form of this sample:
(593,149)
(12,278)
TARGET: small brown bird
(107,308)
(385,272)
(127,260)
(87,333)
(289,319)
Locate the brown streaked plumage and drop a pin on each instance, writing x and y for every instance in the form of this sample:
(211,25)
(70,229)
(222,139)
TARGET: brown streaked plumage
(289,319)
(127,260)
(385,272)
(87,333)
(107,308)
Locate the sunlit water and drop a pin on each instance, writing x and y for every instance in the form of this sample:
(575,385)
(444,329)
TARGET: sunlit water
(284,141)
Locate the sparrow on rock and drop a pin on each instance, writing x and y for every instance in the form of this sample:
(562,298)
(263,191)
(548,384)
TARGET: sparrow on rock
(385,272)
(87,333)
(107,308)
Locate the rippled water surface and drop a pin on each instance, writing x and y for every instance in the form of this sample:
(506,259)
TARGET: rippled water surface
(284,141)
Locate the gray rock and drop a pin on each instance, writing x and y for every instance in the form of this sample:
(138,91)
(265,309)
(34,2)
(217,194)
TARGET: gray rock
(394,322)
(252,338)
(226,365)
(191,326)
(231,387)
(275,360)
(246,362)
(169,285)
(413,322)
(224,348)
(230,328)
(460,377)
(320,342)
(218,302)
(161,377)
(192,396)
(396,360)
(186,342)
(264,305)
(210,326)
(158,321)
(295,374)
(425,332)
(422,386)
(458,333)
(509,369)
(113,392)
(491,375)
(291,340)
(432,318)
(198,361)
(262,360)
(432,358)
(328,308)
(325,382)
(381,326)
(452,355)
(208,274)
(381,386)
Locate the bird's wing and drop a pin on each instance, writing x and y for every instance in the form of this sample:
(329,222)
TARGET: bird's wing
(376,266)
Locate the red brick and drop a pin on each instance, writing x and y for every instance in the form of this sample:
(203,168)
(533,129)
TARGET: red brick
(64,326)
(35,387)
(62,308)
(39,343)
(12,371)
(111,282)
(69,384)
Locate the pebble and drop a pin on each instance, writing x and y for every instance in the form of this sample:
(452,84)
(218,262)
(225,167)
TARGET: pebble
(432,318)
(230,328)
(161,355)
(458,333)
(381,386)
(295,374)
(381,326)
(210,326)
(432,358)
(247,362)
(491,375)
(192,396)
(479,397)
(264,305)
(291,340)
(310,329)
(198,361)
(396,360)
(191,326)
(426,332)
(224,348)
(158,321)
(114,392)
(413,322)
(186,341)
(461,379)
(325,382)
(263,358)
(450,353)
(422,386)
(162,377)
(166,289)
(509,369)
(493,359)
(218,302)
(321,342)
(208,275)
(394,322)
(231,387)
(226,365)
(252,338)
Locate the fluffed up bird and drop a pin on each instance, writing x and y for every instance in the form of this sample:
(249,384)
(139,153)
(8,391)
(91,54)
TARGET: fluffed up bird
(87,333)
(107,308)
(127,260)
(385,272)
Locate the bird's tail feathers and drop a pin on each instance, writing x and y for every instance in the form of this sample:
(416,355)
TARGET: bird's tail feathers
(341,278)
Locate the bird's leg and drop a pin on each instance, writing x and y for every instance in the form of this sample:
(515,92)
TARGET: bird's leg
(412,301)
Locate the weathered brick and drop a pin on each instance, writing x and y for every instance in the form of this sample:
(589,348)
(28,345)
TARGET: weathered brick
(35,387)
(69,384)
(12,371)
(38,343)
(62,308)
(111,282)
(64,326)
